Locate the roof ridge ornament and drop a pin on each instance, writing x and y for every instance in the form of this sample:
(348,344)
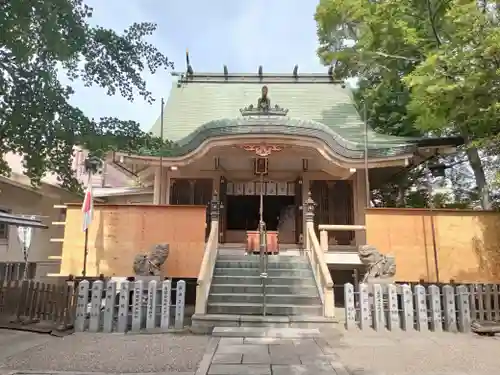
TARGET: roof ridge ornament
(263,107)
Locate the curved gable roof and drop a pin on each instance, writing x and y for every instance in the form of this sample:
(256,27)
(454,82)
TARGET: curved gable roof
(205,98)
(204,106)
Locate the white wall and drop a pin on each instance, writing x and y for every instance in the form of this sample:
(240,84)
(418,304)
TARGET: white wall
(21,201)
(111,176)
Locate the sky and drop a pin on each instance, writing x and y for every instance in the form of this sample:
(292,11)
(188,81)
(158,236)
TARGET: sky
(276,34)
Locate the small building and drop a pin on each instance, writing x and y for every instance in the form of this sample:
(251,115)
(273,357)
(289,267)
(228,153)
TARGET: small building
(19,197)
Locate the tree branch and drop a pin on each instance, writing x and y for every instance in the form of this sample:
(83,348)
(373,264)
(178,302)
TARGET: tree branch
(432,16)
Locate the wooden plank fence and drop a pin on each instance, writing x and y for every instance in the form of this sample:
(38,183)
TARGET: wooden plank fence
(36,306)
(443,307)
(129,306)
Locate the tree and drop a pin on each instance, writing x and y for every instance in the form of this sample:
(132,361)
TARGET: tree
(38,39)
(457,86)
(438,57)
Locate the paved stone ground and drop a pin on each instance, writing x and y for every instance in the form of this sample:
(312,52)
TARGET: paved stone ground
(267,356)
(105,353)
(361,353)
(418,353)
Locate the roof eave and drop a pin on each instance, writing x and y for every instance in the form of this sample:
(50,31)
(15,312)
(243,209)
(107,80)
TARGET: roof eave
(438,142)
(21,221)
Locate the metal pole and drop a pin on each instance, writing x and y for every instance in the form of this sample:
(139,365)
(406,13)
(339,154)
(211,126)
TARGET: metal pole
(262,246)
(367,175)
(261,208)
(262,239)
(433,232)
(161,154)
(85,252)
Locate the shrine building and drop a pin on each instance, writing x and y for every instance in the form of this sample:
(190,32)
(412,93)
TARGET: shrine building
(282,135)
(276,164)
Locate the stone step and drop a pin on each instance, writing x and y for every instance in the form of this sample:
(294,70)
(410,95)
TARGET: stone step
(256,264)
(244,272)
(258,298)
(256,280)
(257,309)
(270,258)
(275,333)
(310,290)
(204,323)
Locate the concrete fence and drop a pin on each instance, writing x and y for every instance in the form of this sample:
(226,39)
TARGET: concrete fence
(129,306)
(450,308)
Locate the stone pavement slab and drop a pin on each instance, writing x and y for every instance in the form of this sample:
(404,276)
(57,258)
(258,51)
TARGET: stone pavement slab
(241,356)
(239,370)
(280,333)
(228,358)
(300,370)
(267,341)
(231,341)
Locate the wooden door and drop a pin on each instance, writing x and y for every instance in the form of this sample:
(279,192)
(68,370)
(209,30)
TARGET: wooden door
(334,201)
(196,192)
(342,210)
(202,195)
(299,203)
(319,193)
(180,192)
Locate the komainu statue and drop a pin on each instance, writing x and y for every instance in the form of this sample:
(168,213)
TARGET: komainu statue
(380,267)
(149,264)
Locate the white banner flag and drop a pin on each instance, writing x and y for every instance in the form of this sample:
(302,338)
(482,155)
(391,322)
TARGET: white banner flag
(25,234)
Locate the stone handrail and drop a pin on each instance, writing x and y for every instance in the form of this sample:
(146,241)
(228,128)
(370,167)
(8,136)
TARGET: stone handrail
(207,269)
(324,228)
(321,271)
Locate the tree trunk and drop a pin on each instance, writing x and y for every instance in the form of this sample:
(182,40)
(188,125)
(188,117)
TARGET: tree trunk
(400,199)
(480,177)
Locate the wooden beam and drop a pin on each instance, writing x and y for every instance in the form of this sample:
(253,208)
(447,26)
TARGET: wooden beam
(341,227)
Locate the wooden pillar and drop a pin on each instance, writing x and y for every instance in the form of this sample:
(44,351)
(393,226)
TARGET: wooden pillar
(192,184)
(165,186)
(305,192)
(168,187)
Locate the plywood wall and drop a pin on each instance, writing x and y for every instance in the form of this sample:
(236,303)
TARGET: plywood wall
(467,243)
(119,232)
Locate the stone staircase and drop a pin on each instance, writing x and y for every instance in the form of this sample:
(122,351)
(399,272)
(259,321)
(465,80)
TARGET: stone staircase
(235,299)
(237,286)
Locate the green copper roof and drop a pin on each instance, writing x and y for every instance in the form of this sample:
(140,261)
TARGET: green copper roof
(277,125)
(202,106)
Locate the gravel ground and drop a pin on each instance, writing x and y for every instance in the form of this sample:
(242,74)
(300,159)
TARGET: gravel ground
(86,352)
(419,353)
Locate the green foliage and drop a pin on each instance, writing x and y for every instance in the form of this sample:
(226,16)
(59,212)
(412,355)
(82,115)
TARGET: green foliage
(458,83)
(425,66)
(40,38)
